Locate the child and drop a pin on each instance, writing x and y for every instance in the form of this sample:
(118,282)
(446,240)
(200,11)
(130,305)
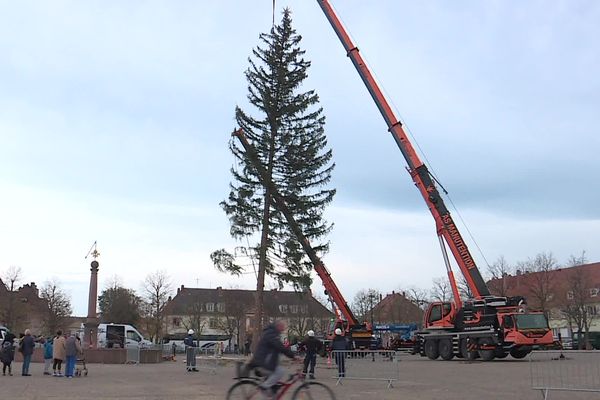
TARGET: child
(48,352)
(7,354)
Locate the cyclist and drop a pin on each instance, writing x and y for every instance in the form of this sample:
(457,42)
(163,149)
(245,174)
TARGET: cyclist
(267,354)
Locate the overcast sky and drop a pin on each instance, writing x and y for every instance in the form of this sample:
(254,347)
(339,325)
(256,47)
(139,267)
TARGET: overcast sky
(115,118)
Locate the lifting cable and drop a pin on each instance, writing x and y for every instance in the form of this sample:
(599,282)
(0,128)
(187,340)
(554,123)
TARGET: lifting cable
(428,163)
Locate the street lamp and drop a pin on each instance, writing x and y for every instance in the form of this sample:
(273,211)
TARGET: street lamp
(371,298)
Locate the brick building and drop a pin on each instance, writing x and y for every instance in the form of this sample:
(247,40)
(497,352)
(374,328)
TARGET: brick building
(567,295)
(22,308)
(396,308)
(229,312)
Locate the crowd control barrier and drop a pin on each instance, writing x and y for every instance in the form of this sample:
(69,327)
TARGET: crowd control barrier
(572,371)
(374,365)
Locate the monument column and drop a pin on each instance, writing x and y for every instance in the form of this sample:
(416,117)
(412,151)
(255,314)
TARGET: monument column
(91,322)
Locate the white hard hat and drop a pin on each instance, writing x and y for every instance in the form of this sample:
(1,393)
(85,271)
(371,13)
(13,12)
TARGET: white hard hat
(191,332)
(338,331)
(310,333)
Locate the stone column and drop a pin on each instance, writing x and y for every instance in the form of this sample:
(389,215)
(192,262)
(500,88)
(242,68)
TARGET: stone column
(91,322)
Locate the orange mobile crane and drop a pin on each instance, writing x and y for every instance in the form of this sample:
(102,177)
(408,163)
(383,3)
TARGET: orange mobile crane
(360,335)
(486,326)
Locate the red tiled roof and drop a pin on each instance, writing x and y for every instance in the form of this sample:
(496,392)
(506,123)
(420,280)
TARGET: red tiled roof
(396,308)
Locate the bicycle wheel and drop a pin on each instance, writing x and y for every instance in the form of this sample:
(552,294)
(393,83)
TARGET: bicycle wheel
(313,391)
(244,390)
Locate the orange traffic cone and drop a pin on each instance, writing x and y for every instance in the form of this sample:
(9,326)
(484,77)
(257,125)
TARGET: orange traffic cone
(329,360)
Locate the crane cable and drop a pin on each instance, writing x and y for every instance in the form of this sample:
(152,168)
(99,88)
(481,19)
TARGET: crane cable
(427,162)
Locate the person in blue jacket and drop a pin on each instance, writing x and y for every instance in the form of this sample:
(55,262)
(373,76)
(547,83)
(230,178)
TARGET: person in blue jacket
(48,351)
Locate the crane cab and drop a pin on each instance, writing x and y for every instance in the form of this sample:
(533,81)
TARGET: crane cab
(440,315)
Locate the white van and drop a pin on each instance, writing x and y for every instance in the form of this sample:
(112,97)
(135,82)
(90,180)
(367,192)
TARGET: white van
(120,336)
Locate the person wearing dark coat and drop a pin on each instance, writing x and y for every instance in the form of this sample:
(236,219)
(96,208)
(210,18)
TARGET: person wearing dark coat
(26,347)
(339,345)
(312,346)
(190,351)
(7,353)
(267,353)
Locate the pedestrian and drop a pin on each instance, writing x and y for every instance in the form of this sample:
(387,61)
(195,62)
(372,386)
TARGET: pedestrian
(72,350)
(190,351)
(58,353)
(26,348)
(7,353)
(339,345)
(48,355)
(247,345)
(312,346)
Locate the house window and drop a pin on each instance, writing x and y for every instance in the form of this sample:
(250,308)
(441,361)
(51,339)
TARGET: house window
(592,310)
(176,321)
(283,308)
(304,309)
(221,307)
(570,295)
(594,292)
(213,323)
(294,309)
(210,307)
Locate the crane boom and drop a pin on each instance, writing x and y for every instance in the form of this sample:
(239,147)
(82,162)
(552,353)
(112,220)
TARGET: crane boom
(446,228)
(281,205)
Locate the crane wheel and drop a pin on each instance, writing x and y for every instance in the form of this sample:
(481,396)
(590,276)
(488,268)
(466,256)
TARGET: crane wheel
(431,349)
(519,353)
(467,354)
(445,349)
(487,355)
(500,353)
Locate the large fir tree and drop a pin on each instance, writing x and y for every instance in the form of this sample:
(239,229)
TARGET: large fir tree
(286,127)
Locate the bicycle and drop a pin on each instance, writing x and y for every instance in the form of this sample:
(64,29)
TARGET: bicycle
(248,388)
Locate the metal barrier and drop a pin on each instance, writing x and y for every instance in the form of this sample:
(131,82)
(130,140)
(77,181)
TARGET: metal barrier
(167,351)
(132,355)
(375,365)
(207,360)
(567,370)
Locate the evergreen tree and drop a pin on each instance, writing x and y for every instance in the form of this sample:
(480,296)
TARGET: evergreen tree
(287,130)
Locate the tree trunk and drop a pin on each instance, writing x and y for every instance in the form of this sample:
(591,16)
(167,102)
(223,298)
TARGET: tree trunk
(262,259)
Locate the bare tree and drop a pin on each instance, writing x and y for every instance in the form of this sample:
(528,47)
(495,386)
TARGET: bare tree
(500,271)
(574,261)
(59,306)
(419,297)
(231,319)
(541,281)
(363,303)
(576,307)
(194,318)
(441,290)
(12,314)
(157,288)
(464,289)
(12,277)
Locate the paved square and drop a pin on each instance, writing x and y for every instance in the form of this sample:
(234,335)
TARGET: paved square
(420,379)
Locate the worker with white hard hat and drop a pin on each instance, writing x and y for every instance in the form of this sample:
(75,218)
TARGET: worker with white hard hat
(190,351)
(312,346)
(339,345)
